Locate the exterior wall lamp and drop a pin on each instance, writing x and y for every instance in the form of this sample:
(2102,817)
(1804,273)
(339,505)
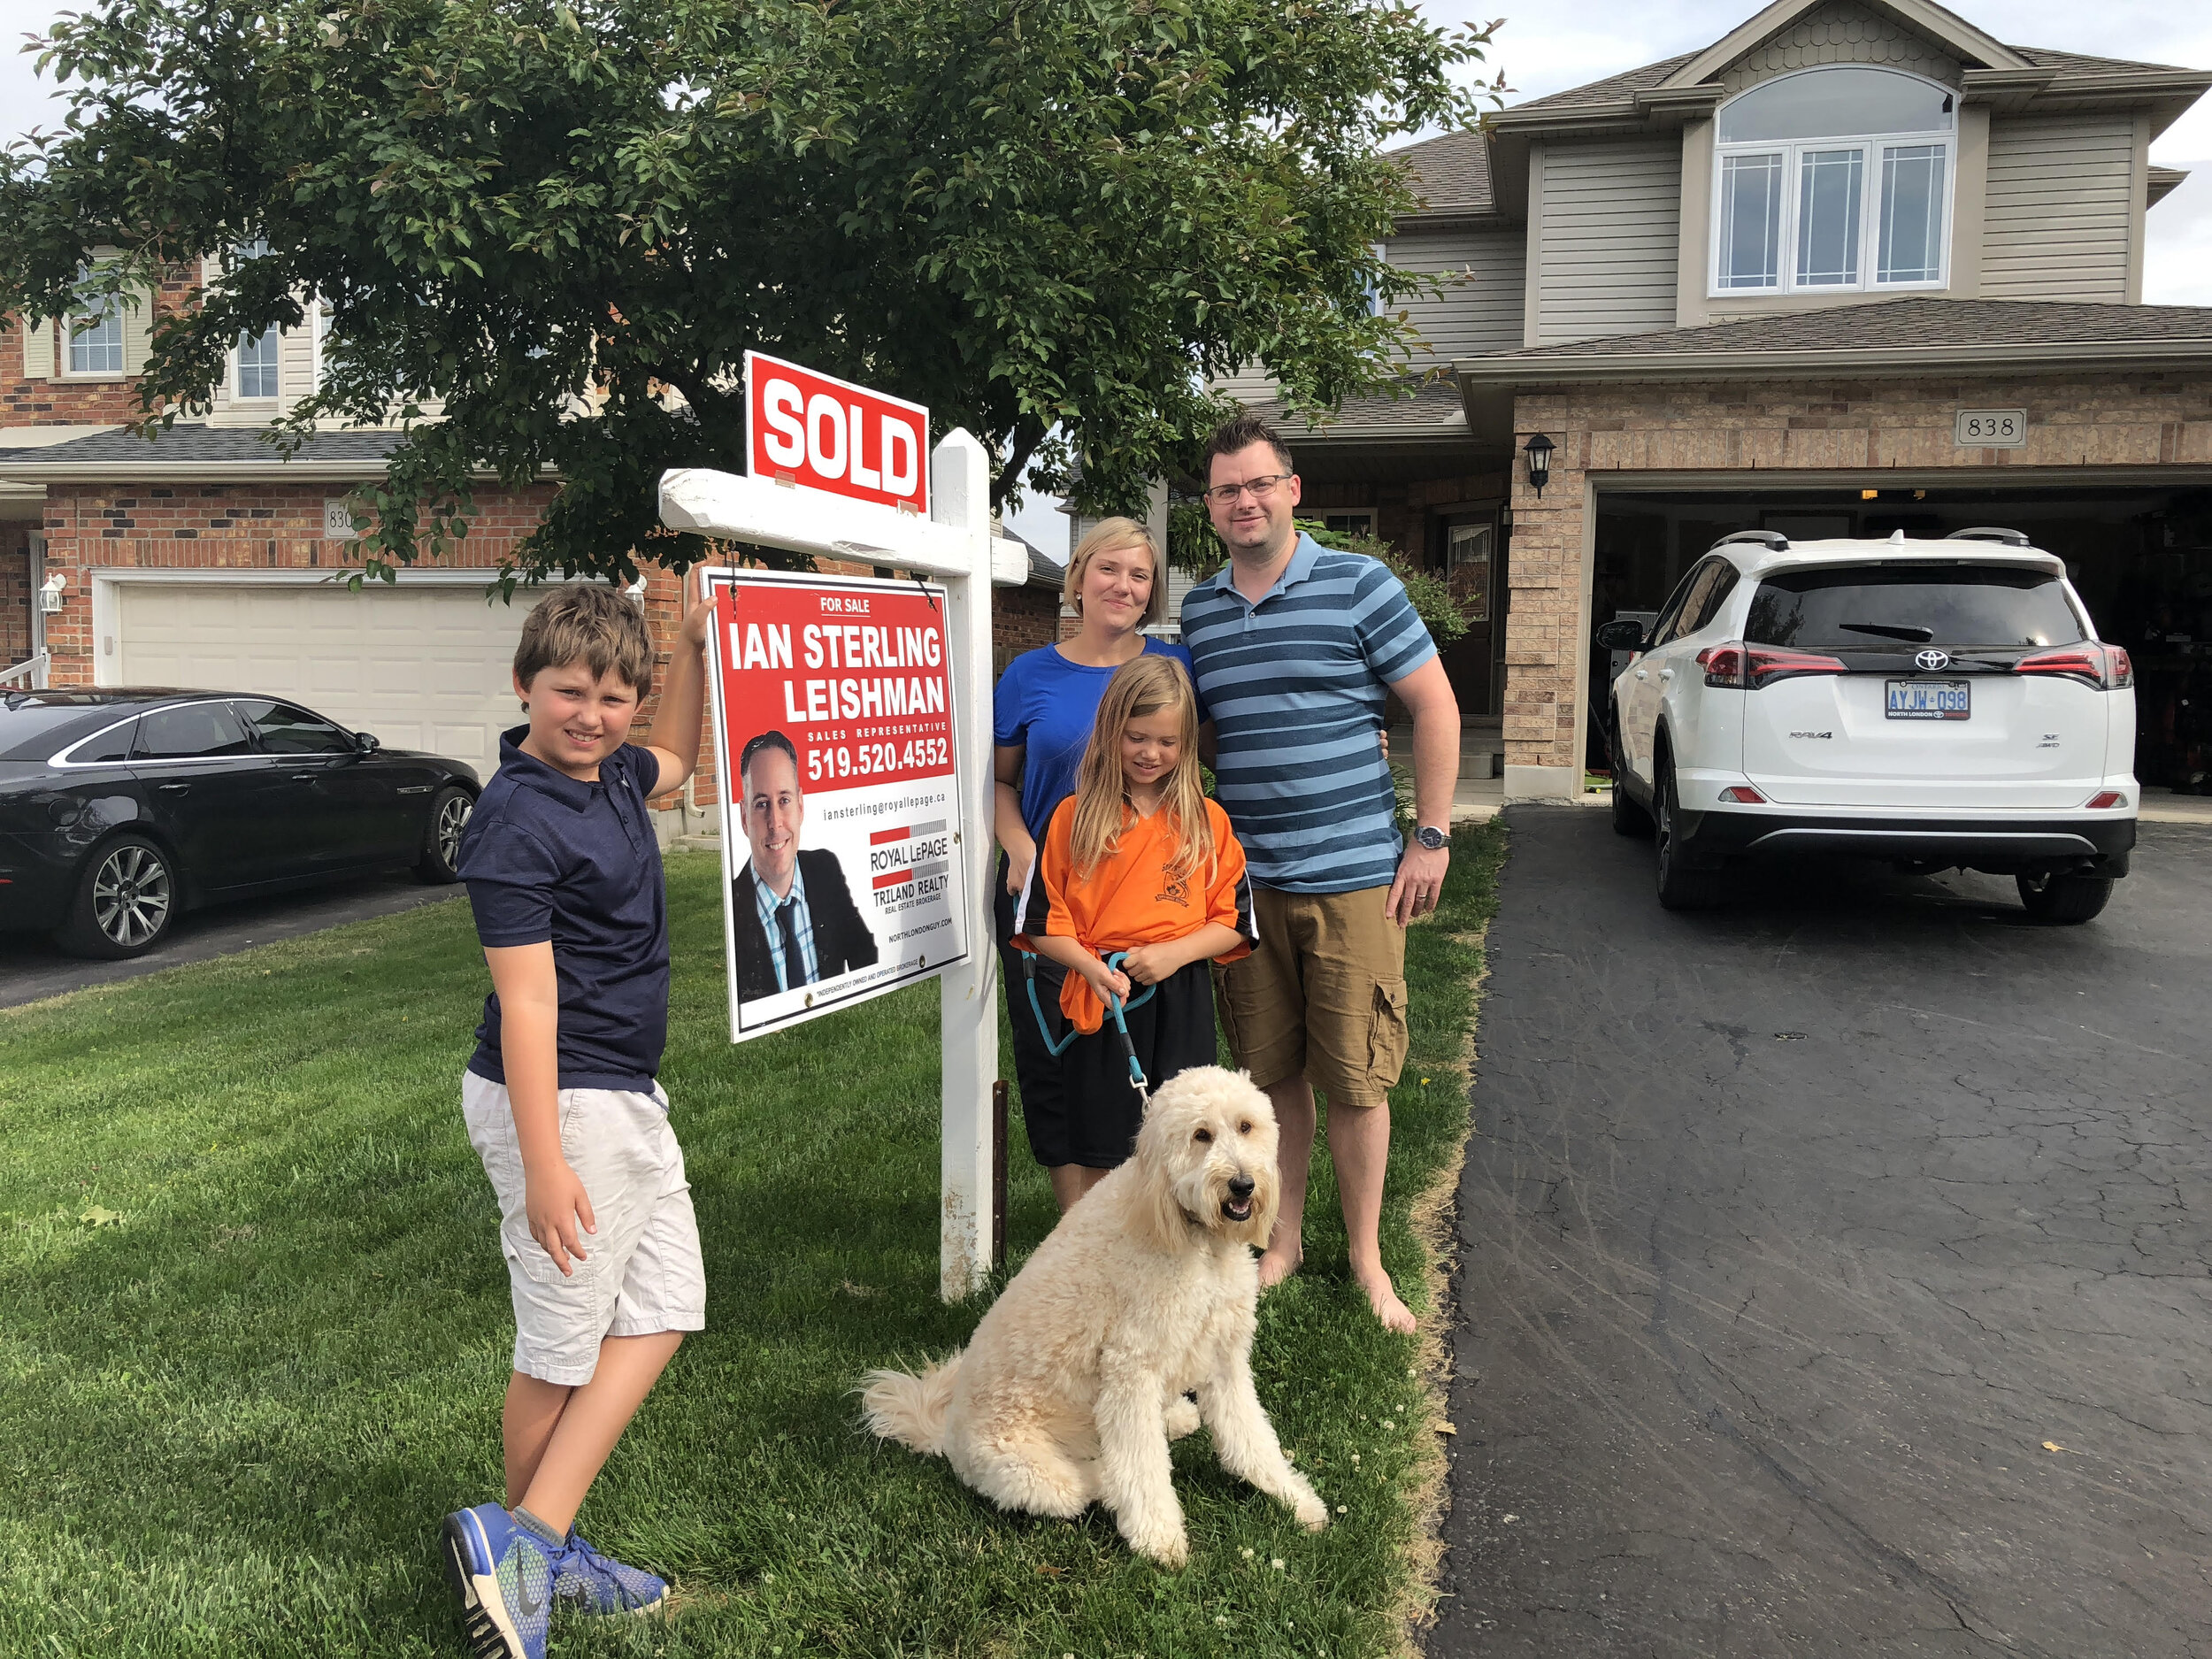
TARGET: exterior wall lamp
(49,595)
(1538,450)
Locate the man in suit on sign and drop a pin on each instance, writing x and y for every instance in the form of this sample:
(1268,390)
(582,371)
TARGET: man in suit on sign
(795,920)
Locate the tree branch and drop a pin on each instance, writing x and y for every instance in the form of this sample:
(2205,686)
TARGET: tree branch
(1029,431)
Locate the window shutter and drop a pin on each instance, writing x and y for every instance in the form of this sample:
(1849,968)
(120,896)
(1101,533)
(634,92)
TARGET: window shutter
(138,329)
(38,349)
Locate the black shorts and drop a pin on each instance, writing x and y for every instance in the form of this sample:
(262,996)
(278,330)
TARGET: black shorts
(1079,1107)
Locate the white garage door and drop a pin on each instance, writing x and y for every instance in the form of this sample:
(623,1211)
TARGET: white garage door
(423,666)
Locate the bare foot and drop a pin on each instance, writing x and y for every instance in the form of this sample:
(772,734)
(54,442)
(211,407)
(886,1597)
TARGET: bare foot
(1383,1295)
(1276,1266)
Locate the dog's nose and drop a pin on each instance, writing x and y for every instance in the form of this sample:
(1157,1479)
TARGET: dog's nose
(1241,1188)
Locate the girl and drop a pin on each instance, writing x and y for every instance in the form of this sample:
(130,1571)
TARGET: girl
(1046,704)
(1137,861)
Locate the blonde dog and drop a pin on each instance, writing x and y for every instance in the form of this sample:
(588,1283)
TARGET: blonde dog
(1075,1382)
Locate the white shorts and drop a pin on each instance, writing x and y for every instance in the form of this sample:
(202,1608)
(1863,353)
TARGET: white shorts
(641,1273)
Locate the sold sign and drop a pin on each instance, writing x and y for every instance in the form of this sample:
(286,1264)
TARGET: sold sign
(806,428)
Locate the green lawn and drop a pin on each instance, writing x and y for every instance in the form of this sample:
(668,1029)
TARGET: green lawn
(231,1417)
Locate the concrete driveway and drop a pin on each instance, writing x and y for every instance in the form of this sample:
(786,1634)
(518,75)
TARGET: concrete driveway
(1833,1271)
(31,968)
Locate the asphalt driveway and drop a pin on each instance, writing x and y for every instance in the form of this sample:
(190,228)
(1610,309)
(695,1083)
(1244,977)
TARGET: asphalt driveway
(1834,1270)
(31,968)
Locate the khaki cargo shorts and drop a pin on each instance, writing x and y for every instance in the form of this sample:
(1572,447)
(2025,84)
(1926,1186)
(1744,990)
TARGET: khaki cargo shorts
(641,1272)
(1322,993)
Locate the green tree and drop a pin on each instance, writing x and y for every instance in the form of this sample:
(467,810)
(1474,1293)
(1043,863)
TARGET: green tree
(1050,220)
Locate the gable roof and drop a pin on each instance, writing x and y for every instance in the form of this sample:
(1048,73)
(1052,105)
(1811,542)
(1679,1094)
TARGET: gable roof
(1946,29)
(2011,77)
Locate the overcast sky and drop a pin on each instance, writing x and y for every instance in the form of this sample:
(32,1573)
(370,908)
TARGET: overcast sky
(1553,46)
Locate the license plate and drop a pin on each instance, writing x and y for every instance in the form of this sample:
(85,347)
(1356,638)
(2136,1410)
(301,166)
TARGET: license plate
(1930,700)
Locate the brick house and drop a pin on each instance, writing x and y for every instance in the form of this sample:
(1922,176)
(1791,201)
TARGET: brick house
(203,558)
(1854,268)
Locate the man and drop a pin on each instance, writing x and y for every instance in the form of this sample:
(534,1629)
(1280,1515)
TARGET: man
(1295,647)
(796,922)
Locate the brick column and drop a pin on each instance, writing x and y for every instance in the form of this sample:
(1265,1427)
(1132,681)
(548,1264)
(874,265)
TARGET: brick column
(1545,577)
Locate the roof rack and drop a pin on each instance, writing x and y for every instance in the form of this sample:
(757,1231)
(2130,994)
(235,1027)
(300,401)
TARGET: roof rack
(1773,539)
(1990,532)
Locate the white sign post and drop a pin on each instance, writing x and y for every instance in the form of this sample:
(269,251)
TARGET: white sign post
(955,545)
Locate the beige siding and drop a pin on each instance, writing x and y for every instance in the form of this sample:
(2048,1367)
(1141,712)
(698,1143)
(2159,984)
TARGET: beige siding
(1605,245)
(1251,384)
(1479,309)
(2060,208)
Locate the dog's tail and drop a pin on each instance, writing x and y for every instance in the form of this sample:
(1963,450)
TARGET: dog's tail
(911,1409)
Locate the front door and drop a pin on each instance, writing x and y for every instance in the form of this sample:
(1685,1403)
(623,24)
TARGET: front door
(1470,549)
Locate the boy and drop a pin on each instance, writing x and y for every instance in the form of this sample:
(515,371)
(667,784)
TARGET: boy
(595,1220)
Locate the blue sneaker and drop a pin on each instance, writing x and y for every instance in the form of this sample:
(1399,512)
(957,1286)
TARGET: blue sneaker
(504,1575)
(603,1584)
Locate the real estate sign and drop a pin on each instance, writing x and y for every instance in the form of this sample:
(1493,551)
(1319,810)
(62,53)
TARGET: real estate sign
(833,728)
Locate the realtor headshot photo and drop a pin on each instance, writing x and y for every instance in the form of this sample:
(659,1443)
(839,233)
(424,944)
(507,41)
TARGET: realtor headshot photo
(794,918)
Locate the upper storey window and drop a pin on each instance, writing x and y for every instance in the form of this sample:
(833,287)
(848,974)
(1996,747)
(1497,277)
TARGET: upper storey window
(1833,179)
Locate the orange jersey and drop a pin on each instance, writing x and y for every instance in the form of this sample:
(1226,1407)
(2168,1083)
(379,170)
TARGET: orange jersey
(1129,899)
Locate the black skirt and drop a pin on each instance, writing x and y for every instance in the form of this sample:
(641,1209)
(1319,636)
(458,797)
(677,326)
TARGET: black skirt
(1099,1109)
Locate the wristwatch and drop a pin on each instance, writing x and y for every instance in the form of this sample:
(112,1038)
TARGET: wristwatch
(1429,837)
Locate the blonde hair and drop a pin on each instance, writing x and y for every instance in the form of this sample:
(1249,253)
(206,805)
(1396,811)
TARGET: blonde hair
(591,623)
(1102,811)
(1114,533)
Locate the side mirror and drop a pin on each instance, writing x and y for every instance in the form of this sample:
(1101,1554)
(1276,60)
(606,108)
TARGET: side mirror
(1624,635)
(366,743)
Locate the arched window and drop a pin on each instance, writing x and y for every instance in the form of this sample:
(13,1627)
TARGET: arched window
(1833,179)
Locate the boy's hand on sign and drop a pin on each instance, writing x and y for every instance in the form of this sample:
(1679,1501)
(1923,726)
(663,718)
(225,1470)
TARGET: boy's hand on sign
(698,611)
(559,1212)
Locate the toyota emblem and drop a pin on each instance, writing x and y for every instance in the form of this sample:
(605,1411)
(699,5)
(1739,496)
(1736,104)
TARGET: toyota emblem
(1933,660)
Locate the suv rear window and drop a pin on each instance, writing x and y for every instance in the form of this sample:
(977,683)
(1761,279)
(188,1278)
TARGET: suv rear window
(1871,606)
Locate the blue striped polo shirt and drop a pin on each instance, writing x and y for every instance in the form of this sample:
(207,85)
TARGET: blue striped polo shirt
(1296,687)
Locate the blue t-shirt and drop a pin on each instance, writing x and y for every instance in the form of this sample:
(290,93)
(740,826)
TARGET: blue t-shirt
(1297,684)
(547,857)
(1048,705)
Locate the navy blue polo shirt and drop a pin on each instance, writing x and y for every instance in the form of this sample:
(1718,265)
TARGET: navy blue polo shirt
(547,857)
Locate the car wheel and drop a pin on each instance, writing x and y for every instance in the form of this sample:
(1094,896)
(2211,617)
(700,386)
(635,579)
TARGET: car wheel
(127,896)
(441,859)
(1680,886)
(1628,817)
(2061,901)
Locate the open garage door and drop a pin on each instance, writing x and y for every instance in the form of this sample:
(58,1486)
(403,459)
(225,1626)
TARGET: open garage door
(2141,557)
(424,665)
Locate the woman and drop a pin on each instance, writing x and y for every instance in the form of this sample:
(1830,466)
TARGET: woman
(1046,704)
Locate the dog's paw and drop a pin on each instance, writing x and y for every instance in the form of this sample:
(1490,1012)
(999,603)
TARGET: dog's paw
(1171,1550)
(1182,1416)
(1306,1504)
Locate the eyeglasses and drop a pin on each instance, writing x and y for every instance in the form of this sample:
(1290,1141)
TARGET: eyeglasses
(1262,488)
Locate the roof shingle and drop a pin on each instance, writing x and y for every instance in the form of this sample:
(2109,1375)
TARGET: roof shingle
(1451,174)
(1903,324)
(190,443)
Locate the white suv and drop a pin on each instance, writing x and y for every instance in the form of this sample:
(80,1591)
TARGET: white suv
(1932,703)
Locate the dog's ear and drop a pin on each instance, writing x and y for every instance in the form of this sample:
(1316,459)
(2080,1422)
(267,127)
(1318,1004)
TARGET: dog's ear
(1154,1217)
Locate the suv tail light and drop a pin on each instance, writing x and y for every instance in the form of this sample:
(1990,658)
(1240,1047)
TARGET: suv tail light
(2106,667)
(1748,667)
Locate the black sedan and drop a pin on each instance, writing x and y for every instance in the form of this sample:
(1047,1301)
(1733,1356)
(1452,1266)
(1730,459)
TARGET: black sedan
(121,809)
